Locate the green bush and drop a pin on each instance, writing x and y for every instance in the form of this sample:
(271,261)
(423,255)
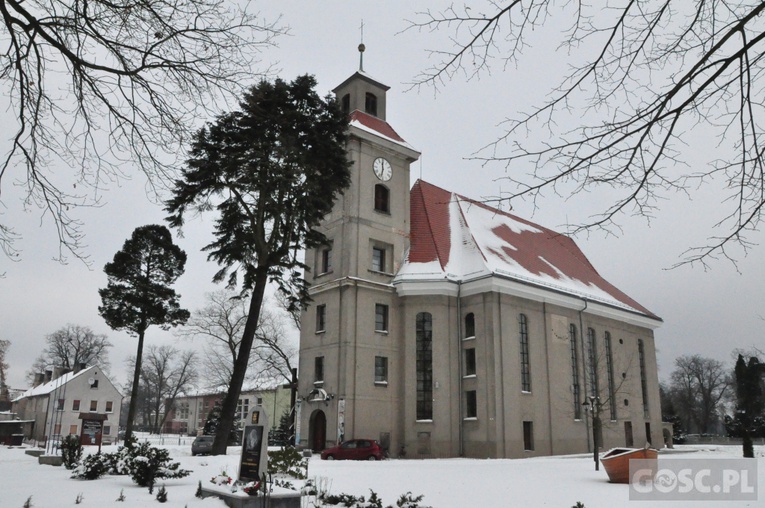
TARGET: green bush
(289,462)
(91,467)
(71,451)
(147,464)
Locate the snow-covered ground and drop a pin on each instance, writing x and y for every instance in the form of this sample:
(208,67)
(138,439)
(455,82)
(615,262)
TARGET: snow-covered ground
(545,481)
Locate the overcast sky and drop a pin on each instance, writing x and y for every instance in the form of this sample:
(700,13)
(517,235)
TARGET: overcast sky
(706,312)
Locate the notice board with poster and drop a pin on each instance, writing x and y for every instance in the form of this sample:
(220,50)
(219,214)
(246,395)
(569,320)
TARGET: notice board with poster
(254,461)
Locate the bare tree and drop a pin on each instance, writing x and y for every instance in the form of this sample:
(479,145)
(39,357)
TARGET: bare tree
(139,72)
(4,390)
(166,373)
(646,77)
(70,346)
(698,387)
(221,324)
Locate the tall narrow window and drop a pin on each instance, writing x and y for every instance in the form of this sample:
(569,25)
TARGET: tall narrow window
(109,406)
(370,104)
(643,378)
(610,373)
(381,317)
(528,436)
(592,363)
(93,406)
(382,198)
(321,317)
(424,360)
(381,370)
(470,362)
(75,405)
(346,103)
(525,367)
(318,370)
(575,372)
(378,259)
(470,325)
(326,260)
(60,403)
(471,404)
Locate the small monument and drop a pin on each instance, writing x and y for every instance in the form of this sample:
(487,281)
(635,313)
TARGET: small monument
(254,462)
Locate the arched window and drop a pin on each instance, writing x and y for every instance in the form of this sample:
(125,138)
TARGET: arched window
(424,360)
(610,373)
(572,333)
(643,383)
(382,198)
(370,104)
(470,325)
(525,366)
(346,103)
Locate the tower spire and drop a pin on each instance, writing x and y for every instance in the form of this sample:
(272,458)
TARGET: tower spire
(361,48)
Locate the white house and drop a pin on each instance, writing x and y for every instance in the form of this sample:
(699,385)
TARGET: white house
(83,402)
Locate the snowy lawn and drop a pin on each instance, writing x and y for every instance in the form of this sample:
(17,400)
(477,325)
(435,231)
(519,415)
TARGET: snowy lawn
(544,481)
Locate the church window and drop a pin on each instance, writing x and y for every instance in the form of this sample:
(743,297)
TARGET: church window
(610,373)
(643,384)
(378,259)
(321,318)
(346,103)
(382,198)
(525,365)
(381,370)
(325,263)
(424,362)
(381,317)
(471,404)
(575,371)
(470,325)
(528,436)
(470,362)
(370,104)
(592,361)
(318,370)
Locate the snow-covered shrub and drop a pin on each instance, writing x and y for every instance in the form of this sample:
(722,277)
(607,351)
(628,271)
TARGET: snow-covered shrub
(71,451)
(91,467)
(407,501)
(147,463)
(162,494)
(289,462)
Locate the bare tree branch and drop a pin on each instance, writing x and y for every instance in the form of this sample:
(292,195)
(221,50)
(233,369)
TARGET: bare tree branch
(97,86)
(655,73)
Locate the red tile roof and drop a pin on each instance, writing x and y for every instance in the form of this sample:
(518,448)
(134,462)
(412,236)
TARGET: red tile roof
(466,238)
(380,126)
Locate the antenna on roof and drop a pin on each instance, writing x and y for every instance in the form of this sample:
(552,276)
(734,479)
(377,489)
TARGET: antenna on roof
(361,48)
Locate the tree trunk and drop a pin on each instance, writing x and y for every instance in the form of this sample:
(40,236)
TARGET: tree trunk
(231,399)
(134,391)
(293,409)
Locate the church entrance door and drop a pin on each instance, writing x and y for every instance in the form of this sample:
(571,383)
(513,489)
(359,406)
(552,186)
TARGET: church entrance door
(318,430)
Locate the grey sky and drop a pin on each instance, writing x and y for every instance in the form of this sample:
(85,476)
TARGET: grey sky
(705,312)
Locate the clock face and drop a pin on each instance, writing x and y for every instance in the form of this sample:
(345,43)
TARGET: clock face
(382,169)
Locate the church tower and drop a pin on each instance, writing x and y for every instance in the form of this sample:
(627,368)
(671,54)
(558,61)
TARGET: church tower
(350,354)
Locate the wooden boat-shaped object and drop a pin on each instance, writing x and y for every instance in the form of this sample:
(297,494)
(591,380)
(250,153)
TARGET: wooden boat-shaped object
(616,462)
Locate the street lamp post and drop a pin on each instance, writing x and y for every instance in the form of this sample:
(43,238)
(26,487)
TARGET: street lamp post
(593,405)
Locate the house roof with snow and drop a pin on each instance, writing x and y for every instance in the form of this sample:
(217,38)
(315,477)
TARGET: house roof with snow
(46,388)
(457,239)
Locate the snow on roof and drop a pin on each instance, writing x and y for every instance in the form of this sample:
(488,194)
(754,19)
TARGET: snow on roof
(46,388)
(376,126)
(457,238)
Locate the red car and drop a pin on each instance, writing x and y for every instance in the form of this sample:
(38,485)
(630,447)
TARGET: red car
(355,449)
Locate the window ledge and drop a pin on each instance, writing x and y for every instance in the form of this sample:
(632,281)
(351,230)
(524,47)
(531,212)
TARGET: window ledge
(382,332)
(318,383)
(320,332)
(381,383)
(423,421)
(469,376)
(470,419)
(472,337)
(527,392)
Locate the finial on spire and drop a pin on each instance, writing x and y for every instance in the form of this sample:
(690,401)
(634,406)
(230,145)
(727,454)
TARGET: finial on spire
(361,48)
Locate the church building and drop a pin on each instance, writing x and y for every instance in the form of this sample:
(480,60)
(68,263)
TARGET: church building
(442,327)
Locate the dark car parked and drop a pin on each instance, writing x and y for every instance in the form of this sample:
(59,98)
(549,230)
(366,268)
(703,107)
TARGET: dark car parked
(355,449)
(202,445)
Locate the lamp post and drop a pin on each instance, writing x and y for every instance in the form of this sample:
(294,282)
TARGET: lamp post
(593,405)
